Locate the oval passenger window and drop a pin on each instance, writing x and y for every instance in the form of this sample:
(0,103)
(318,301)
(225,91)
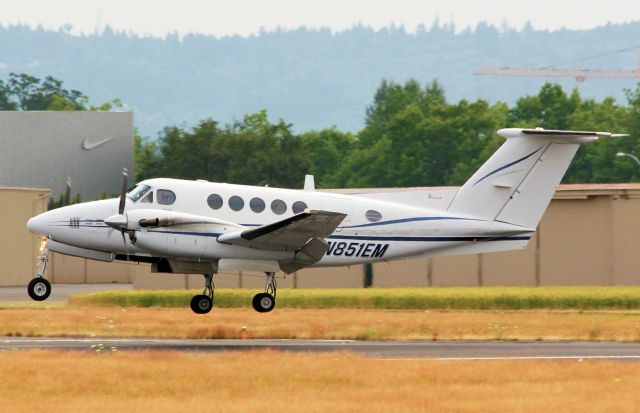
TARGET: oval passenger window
(373,216)
(298,207)
(214,201)
(165,197)
(278,206)
(256,205)
(236,203)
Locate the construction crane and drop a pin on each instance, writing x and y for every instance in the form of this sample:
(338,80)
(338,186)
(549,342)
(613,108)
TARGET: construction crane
(554,71)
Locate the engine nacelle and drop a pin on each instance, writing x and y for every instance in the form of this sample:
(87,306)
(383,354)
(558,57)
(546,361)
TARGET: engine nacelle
(169,233)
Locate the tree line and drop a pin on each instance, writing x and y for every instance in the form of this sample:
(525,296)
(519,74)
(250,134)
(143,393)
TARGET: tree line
(412,137)
(23,91)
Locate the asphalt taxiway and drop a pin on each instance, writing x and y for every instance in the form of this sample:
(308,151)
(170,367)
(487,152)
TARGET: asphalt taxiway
(442,350)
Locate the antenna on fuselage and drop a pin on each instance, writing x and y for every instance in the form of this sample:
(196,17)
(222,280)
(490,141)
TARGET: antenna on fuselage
(309,183)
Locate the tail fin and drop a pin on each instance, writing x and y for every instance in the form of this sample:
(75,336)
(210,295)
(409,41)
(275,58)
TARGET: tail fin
(516,184)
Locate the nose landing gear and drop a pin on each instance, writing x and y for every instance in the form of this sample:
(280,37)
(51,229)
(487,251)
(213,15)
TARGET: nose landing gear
(266,301)
(203,303)
(39,288)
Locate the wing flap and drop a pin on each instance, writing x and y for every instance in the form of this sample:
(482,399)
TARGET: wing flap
(290,234)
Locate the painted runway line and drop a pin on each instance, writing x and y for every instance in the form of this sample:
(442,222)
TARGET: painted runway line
(387,350)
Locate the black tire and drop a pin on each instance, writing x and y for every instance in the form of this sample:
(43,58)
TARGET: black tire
(39,289)
(201,304)
(263,302)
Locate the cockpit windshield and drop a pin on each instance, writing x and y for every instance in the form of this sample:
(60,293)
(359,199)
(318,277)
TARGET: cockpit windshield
(137,192)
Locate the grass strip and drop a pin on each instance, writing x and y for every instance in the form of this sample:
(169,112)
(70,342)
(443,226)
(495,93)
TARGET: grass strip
(29,304)
(246,382)
(458,298)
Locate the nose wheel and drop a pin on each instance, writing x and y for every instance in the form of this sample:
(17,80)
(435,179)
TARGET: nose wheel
(203,303)
(266,301)
(39,289)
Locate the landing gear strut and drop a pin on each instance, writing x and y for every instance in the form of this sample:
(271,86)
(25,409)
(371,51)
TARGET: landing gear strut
(39,288)
(203,303)
(266,301)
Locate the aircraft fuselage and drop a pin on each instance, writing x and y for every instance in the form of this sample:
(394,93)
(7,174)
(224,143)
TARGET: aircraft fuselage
(373,230)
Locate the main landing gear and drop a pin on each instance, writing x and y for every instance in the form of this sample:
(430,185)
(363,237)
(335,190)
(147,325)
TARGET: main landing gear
(203,303)
(266,301)
(262,302)
(39,288)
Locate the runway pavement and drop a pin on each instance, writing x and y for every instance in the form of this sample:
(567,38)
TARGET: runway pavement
(59,292)
(445,350)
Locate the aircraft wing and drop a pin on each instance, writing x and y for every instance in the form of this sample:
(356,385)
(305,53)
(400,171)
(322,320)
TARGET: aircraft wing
(291,234)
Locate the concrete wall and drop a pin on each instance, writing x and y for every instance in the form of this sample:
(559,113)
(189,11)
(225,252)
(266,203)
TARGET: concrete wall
(72,270)
(19,250)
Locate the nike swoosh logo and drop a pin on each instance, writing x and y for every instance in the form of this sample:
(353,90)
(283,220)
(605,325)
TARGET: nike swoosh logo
(86,145)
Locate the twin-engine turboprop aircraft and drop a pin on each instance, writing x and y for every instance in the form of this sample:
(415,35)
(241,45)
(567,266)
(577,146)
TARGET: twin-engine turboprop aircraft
(203,227)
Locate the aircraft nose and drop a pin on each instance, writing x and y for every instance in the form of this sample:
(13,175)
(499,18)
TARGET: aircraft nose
(37,225)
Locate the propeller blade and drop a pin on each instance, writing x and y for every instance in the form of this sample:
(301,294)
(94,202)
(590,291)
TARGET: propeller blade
(123,191)
(124,241)
(67,193)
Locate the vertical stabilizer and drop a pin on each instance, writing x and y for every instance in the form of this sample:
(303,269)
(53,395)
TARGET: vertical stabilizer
(517,183)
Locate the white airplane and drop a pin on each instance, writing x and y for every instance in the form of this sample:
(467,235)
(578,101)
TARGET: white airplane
(202,227)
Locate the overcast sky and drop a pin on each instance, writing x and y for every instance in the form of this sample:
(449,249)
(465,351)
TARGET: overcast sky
(243,17)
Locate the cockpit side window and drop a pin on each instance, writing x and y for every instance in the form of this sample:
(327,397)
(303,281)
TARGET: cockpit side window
(165,197)
(147,199)
(137,192)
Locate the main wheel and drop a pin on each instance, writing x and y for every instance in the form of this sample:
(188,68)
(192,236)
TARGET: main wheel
(39,289)
(201,304)
(263,302)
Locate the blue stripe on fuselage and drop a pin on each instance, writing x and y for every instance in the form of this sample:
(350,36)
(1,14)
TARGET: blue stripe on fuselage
(415,219)
(506,166)
(427,239)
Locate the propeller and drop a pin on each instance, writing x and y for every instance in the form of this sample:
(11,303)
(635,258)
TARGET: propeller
(120,220)
(66,199)
(123,190)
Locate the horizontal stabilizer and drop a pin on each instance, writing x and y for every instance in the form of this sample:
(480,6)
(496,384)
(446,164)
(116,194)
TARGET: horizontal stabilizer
(559,136)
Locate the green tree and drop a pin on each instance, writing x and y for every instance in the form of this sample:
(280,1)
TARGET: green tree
(253,151)
(5,97)
(188,155)
(420,139)
(31,93)
(26,92)
(549,109)
(264,153)
(598,163)
(633,97)
(327,149)
(412,137)
(147,158)
(391,98)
